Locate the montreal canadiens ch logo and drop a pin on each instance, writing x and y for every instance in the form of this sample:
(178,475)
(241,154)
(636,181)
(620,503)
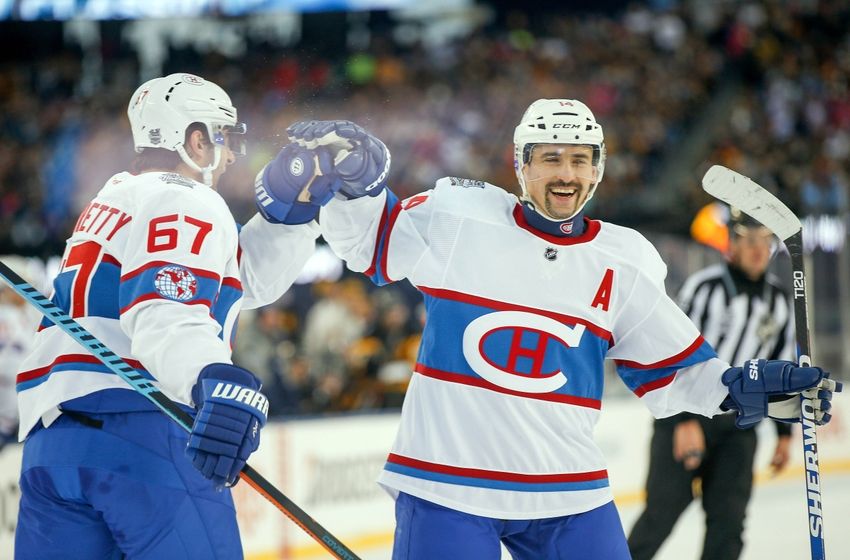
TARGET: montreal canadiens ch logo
(527,337)
(176,282)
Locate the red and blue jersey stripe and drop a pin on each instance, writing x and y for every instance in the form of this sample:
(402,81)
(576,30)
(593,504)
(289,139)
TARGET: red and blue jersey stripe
(70,362)
(642,378)
(377,272)
(229,293)
(499,480)
(139,286)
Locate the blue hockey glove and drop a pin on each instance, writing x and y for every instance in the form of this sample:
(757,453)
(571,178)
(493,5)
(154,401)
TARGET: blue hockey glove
(361,160)
(772,388)
(231,411)
(279,189)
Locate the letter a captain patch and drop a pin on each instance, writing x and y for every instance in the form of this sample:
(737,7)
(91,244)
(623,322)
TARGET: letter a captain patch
(603,293)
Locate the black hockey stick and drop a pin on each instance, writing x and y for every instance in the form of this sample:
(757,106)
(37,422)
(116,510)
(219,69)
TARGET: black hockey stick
(743,193)
(169,407)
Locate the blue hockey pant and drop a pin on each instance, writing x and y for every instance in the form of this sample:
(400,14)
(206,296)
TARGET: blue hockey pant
(123,489)
(427,531)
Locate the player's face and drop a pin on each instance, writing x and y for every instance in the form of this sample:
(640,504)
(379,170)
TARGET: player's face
(750,250)
(558,178)
(227,159)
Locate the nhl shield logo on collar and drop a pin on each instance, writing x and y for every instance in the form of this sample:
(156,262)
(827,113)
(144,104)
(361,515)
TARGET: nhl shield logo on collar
(550,254)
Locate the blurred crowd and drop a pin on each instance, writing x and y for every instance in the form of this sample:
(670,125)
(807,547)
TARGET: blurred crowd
(790,126)
(333,346)
(448,109)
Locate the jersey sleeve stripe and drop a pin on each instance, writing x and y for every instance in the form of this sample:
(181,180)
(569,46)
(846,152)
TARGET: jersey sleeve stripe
(156,264)
(655,384)
(377,270)
(141,286)
(683,355)
(231,282)
(641,378)
(451,377)
(443,293)
(385,249)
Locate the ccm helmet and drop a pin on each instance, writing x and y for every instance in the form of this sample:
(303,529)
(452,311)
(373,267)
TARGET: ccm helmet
(162,109)
(558,121)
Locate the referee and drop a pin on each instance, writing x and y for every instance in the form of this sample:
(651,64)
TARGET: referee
(742,312)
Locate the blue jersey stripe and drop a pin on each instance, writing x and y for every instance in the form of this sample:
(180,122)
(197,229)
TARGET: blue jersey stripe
(642,378)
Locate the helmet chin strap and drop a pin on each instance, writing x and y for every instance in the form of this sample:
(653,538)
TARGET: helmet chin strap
(206,172)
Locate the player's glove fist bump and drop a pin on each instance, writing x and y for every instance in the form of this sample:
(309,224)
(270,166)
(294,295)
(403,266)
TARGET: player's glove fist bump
(361,160)
(231,412)
(295,185)
(771,388)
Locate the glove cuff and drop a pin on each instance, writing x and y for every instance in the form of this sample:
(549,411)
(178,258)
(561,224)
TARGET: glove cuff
(232,386)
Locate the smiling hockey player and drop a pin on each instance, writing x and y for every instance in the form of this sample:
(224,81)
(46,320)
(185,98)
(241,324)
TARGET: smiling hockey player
(525,300)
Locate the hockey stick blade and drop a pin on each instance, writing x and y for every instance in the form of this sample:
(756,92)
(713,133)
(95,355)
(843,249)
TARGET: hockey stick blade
(143,385)
(751,198)
(745,194)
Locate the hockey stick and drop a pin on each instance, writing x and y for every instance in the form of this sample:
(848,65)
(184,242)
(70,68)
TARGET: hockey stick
(169,407)
(744,194)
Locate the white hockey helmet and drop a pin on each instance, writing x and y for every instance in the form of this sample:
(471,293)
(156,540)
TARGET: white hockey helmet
(162,109)
(558,121)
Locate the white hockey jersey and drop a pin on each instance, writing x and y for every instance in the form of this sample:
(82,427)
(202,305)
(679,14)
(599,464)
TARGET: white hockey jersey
(157,269)
(499,415)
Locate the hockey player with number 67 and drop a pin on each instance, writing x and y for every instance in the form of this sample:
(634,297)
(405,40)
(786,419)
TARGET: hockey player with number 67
(525,299)
(158,270)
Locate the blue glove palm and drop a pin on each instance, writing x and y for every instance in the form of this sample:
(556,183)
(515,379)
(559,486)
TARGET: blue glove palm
(295,185)
(231,411)
(771,388)
(361,160)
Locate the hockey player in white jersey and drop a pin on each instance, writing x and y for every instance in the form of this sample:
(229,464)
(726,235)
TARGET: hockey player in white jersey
(525,299)
(158,270)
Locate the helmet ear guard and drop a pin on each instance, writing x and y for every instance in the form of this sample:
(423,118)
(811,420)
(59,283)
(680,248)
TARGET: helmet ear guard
(558,121)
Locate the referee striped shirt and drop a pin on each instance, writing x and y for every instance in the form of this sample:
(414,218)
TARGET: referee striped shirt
(740,318)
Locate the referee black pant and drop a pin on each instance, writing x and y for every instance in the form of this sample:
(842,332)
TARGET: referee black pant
(727,478)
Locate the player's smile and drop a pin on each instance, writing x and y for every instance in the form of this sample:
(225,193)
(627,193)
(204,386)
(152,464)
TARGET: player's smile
(562,198)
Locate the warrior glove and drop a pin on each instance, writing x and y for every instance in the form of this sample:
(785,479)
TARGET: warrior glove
(231,411)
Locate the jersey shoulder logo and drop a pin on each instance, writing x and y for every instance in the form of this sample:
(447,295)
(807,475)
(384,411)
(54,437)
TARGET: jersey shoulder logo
(466,183)
(176,283)
(176,179)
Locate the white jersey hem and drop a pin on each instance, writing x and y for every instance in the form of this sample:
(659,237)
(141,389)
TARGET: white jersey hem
(393,484)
